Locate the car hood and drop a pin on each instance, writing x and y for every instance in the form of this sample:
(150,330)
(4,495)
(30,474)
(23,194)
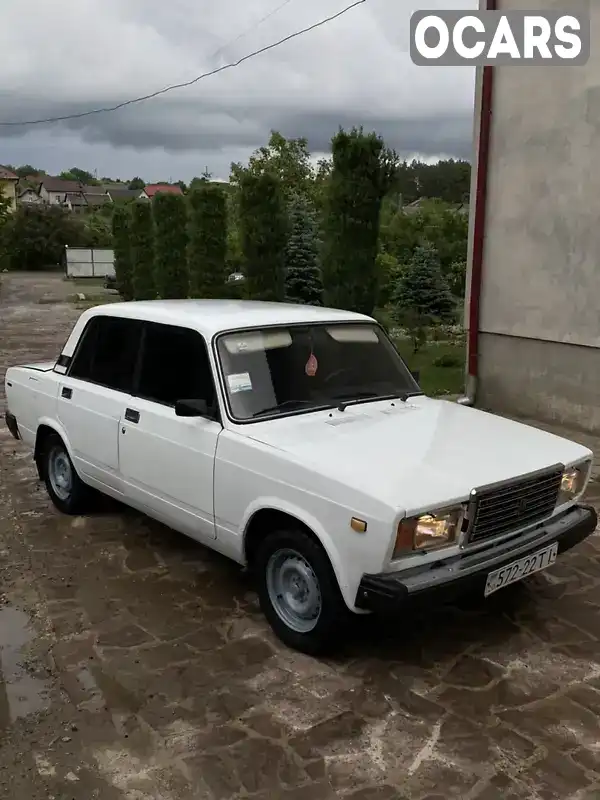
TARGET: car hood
(410,455)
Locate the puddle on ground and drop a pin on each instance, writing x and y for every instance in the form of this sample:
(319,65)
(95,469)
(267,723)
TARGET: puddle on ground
(21,694)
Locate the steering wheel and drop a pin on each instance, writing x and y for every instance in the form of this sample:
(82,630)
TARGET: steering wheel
(332,375)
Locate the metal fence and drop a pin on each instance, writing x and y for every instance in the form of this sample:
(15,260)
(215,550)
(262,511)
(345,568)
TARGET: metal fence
(83,262)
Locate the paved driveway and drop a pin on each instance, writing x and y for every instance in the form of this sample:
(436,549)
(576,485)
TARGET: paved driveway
(135,664)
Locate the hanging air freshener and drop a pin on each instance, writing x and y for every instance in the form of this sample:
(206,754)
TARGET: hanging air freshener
(311,366)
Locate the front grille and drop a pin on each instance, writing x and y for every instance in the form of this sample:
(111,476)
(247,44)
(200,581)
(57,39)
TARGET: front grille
(501,508)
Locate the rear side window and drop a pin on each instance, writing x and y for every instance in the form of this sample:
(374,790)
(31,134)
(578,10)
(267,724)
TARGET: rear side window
(108,352)
(175,366)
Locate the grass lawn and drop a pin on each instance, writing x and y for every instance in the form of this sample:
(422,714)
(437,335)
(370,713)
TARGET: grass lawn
(436,380)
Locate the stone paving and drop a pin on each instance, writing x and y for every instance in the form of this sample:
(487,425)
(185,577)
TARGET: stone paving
(135,664)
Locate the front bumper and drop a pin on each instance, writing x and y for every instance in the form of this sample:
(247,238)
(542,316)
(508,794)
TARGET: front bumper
(11,424)
(443,581)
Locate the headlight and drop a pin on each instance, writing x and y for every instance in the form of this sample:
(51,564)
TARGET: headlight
(573,483)
(428,531)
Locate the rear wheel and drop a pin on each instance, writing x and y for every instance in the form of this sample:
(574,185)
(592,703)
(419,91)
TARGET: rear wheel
(299,593)
(66,489)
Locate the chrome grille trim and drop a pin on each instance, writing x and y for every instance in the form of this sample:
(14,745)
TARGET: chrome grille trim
(500,508)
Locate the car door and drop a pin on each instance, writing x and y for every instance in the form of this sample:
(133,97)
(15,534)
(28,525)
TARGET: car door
(167,462)
(92,394)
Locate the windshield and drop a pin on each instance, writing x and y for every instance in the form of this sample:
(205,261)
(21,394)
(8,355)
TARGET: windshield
(274,371)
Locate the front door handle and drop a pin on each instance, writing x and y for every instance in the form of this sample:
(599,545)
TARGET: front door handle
(131,415)
(67,393)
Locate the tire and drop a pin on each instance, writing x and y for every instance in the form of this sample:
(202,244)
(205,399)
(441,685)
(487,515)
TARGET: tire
(66,489)
(313,620)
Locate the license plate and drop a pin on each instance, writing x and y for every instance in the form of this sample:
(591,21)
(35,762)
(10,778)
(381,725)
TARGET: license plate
(520,569)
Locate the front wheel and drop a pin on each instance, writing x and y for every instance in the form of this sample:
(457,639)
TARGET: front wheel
(299,593)
(66,489)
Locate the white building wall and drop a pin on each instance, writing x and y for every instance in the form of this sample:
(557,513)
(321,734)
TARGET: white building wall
(540,302)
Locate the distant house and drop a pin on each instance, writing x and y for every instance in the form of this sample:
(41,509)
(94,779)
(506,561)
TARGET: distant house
(96,200)
(8,186)
(54,190)
(123,194)
(93,189)
(28,196)
(152,189)
(75,201)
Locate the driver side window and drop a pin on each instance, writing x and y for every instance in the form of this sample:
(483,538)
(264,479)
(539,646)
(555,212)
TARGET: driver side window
(174,366)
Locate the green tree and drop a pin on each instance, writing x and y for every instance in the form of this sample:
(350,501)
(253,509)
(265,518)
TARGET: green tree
(34,238)
(263,233)
(97,229)
(137,183)
(80,175)
(142,250)
(288,159)
(170,245)
(26,169)
(364,171)
(422,297)
(121,231)
(303,282)
(207,247)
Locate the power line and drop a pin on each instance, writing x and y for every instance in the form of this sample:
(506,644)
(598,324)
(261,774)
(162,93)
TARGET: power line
(252,28)
(184,85)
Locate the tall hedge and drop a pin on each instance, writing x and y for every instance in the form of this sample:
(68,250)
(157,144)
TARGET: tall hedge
(263,229)
(207,246)
(121,231)
(170,245)
(142,250)
(363,173)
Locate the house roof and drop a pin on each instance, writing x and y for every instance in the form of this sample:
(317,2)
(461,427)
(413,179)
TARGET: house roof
(7,175)
(96,199)
(166,188)
(124,194)
(51,184)
(75,198)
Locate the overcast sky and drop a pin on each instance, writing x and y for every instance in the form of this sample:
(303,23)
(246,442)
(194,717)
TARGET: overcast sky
(64,56)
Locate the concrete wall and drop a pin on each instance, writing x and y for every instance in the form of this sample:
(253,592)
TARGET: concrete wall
(540,304)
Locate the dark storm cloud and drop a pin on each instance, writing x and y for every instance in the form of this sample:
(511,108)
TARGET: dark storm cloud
(354,72)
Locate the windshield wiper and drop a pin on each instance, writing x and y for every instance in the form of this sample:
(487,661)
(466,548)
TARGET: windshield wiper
(349,397)
(290,404)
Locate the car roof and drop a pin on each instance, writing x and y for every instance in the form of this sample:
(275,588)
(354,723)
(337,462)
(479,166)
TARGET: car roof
(215,316)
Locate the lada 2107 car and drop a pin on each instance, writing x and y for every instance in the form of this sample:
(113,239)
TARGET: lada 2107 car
(295,440)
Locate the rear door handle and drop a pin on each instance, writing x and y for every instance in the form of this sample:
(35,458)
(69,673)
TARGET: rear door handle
(131,415)
(67,393)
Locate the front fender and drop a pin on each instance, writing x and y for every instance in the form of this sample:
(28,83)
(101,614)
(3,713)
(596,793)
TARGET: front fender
(278,504)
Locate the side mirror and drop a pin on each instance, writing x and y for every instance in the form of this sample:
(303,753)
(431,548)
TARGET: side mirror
(191,408)
(416,373)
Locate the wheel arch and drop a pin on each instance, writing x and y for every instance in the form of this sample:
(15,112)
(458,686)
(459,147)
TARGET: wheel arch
(47,427)
(272,515)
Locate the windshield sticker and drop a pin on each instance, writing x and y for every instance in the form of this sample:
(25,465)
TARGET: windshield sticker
(312,366)
(239,382)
